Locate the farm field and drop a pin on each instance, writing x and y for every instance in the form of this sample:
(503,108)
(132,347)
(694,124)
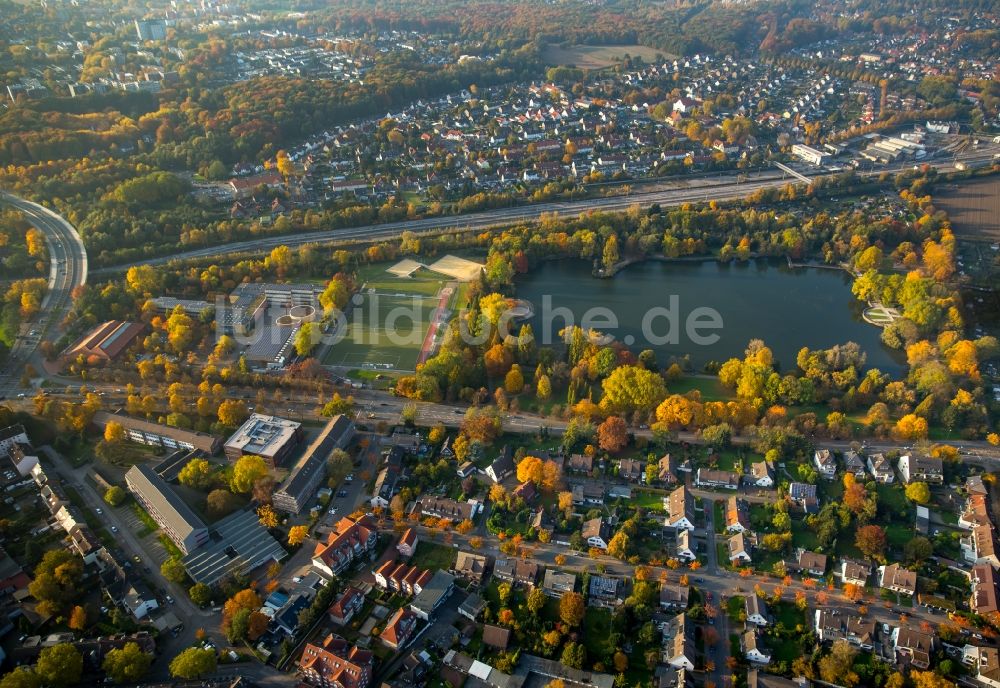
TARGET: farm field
(596,56)
(974,208)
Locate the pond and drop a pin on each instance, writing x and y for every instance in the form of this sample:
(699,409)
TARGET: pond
(707,310)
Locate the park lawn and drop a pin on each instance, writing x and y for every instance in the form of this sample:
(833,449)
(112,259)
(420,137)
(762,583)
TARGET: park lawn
(728,459)
(803,536)
(650,501)
(789,615)
(433,556)
(710,387)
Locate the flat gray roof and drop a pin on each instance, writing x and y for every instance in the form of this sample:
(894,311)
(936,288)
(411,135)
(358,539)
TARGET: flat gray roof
(237,541)
(181,518)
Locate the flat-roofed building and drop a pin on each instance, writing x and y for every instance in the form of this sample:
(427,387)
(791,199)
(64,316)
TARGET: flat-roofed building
(167,305)
(157,435)
(236,543)
(268,437)
(310,471)
(170,512)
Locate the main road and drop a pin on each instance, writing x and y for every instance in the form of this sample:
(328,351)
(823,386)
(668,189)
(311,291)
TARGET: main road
(672,192)
(67,271)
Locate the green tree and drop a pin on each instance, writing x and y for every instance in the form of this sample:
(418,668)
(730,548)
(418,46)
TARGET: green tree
(115,495)
(200,594)
(338,405)
(128,664)
(192,663)
(631,388)
(173,570)
(21,677)
(57,579)
(307,338)
(338,466)
(60,665)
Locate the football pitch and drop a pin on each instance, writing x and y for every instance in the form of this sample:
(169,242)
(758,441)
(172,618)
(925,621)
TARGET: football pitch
(385,331)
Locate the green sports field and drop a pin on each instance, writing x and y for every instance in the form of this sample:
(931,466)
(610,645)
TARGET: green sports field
(385,332)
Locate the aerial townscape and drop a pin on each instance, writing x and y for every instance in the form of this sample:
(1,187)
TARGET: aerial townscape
(500,343)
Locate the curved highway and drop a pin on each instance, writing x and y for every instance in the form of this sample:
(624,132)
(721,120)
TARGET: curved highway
(67,270)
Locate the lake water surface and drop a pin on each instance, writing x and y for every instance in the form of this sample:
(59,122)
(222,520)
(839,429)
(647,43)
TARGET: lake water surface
(786,308)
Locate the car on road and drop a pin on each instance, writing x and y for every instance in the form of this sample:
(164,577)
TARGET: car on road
(170,600)
(349,478)
(342,493)
(114,529)
(98,511)
(333,511)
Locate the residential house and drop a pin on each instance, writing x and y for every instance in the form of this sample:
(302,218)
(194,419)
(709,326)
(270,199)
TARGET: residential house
(975,513)
(844,624)
(920,468)
(466,469)
(974,485)
(139,600)
(825,463)
(881,469)
(631,470)
(526,492)
(347,542)
(558,583)
(755,679)
(739,549)
(987,666)
(805,561)
(854,464)
(596,533)
(399,629)
(737,515)
(680,509)
(496,637)
(756,610)
(433,594)
(916,645)
(502,466)
(385,487)
(472,607)
(346,606)
(985,593)
(673,596)
(604,591)
(471,567)
(580,463)
(707,477)
(334,663)
(761,474)
(588,494)
(981,546)
(407,544)
(666,470)
(678,643)
(516,571)
(685,547)
(752,647)
(803,495)
(894,577)
(444,507)
(853,572)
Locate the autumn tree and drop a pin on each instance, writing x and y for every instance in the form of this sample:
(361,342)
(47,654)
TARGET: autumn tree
(838,666)
(115,495)
(297,535)
(870,539)
(612,434)
(197,473)
(918,492)
(248,469)
(114,432)
(233,412)
(78,618)
(632,388)
(572,609)
(59,665)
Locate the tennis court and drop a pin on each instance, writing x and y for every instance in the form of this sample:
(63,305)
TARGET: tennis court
(384,331)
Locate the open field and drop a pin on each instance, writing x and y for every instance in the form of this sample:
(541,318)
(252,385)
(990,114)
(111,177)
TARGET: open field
(384,332)
(596,56)
(974,208)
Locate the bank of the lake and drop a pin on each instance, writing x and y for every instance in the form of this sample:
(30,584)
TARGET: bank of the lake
(787,308)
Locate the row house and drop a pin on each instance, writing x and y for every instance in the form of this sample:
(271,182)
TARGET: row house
(516,571)
(399,629)
(975,513)
(894,577)
(678,643)
(684,548)
(981,546)
(680,509)
(444,507)
(737,515)
(401,578)
(853,572)
(335,663)
(346,606)
(983,580)
(915,645)
(805,561)
(674,597)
